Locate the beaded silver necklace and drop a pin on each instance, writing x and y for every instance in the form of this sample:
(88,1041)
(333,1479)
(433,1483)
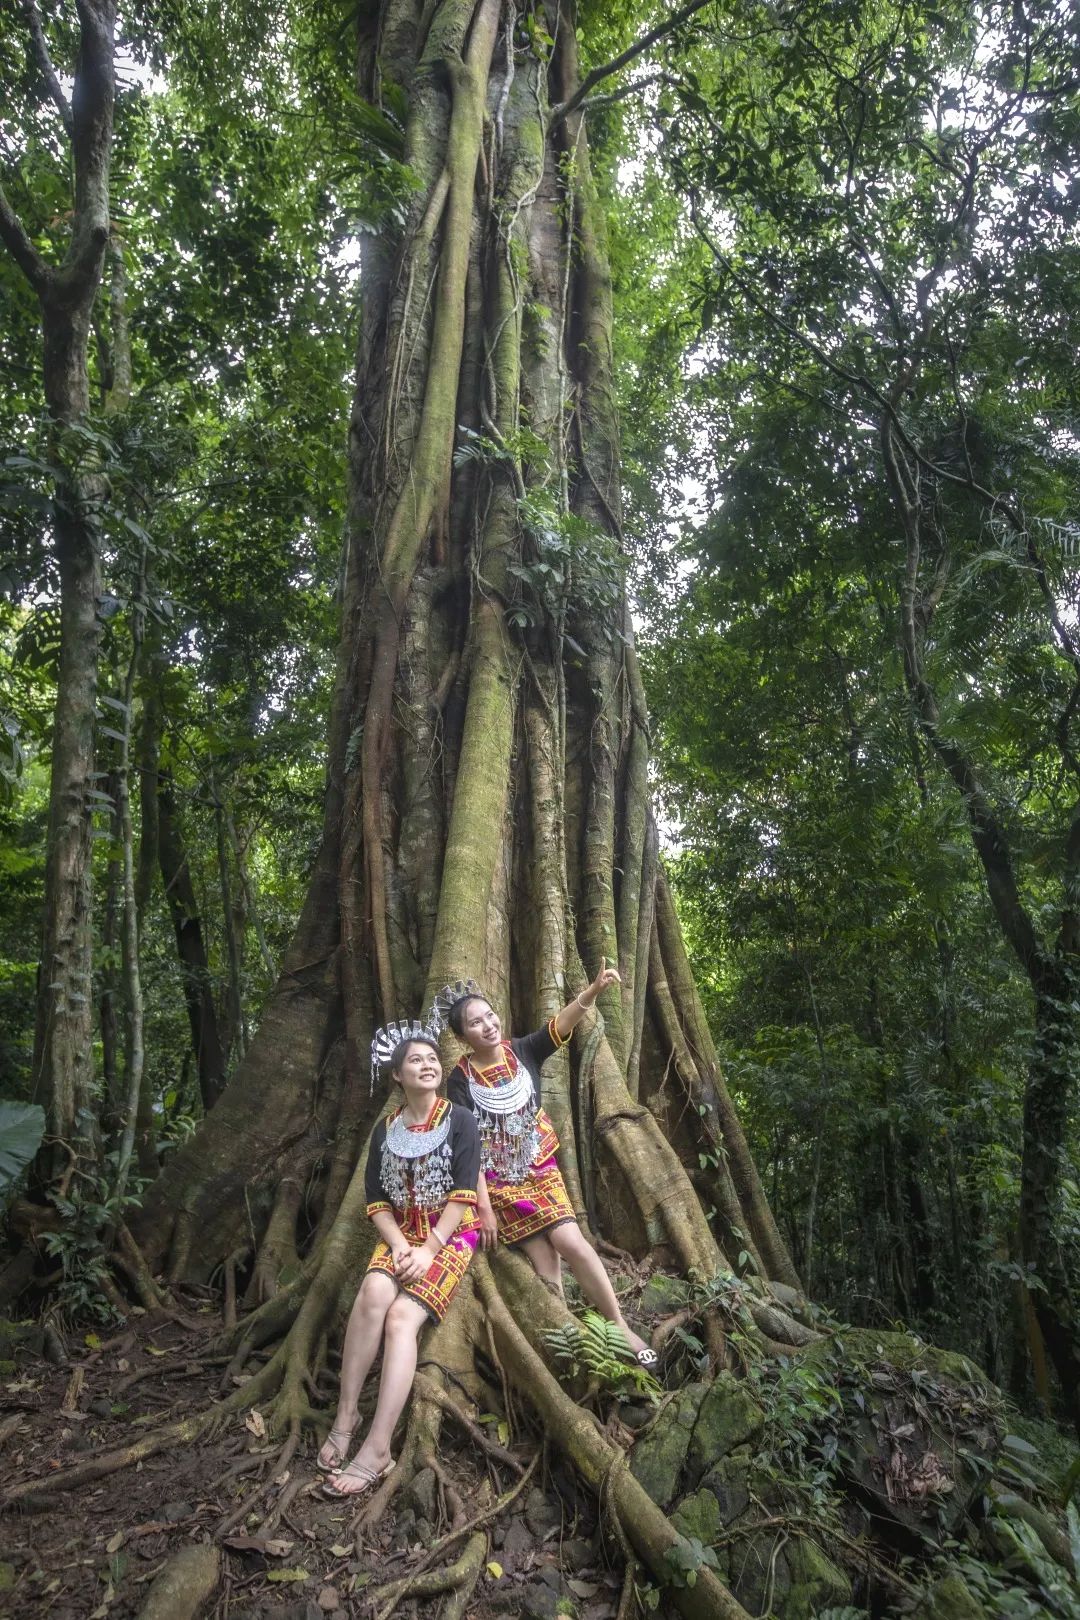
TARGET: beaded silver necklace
(417,1166)
(506,1117)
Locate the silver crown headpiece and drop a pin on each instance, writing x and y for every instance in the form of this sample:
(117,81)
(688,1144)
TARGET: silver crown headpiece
(438,1017)
(385,1041)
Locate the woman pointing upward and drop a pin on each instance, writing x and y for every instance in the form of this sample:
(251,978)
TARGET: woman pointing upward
(521,1195)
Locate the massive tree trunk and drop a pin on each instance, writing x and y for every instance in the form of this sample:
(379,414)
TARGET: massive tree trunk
(487,807)
(63,1066)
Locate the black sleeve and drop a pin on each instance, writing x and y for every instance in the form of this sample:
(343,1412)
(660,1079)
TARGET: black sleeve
(373,1187)
(534,1050)
(465,1145)
(457,1089)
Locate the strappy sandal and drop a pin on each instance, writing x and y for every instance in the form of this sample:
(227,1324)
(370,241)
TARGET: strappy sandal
(368,1478)
(340,1451)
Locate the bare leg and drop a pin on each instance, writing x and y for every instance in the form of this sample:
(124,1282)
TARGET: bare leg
(544,1261)
(362,1339)
(404,1320)
(568,1242)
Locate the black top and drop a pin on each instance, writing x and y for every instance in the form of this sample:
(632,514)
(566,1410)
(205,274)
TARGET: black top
(532,1051)
(464,1142)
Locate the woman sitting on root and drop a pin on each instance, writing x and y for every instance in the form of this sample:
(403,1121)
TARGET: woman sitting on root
(421,1178)
(521,1195)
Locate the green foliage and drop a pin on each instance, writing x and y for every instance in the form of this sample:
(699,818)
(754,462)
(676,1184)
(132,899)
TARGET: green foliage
(597,1348)
(91,1213)
(22,1126)
(996,1586)
(685,1558)
(874,1024)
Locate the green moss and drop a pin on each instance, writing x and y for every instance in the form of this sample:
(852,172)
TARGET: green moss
(729,1483)
(904,1351)
(657,1459)
(816,1582)
(950,1599)
(663,1296)
(729,1417)
(698,1518)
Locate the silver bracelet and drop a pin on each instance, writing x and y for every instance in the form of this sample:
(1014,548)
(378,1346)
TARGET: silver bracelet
(438,1238)
(586,1006)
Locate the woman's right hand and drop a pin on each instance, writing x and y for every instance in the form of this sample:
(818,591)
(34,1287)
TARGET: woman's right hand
(489,1226)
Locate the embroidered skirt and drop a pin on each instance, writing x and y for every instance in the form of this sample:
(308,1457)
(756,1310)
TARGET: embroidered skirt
(534,1205)
(436,1288)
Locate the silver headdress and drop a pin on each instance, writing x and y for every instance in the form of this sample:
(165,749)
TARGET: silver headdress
(438,1017)
(385,1040)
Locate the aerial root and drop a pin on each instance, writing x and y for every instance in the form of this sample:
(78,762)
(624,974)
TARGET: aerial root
(132,1262)
(281,1506)
(432,1392)
(33,1492)
(458,1578)
(778,1326)
(473,1528)
(278,1473)
(647,1529)
(228,1309)
(626,1596)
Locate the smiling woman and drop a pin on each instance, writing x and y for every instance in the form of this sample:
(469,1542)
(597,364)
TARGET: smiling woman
(421,1195)
(521,1192)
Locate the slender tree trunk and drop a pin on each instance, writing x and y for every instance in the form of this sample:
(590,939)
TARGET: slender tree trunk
(233,1033)
(194,967)
(62,1065)
(146,766)
(110,975)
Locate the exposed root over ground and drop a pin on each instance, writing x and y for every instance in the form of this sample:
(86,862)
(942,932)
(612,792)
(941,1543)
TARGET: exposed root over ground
(523,1482)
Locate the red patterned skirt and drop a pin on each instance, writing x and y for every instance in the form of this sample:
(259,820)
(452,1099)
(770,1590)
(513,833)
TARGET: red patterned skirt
(525,1208)
(436,1288)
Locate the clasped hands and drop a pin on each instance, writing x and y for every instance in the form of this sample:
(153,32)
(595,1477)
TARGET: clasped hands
(410,1264)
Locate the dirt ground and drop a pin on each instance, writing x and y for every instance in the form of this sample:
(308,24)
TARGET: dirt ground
(92,1553)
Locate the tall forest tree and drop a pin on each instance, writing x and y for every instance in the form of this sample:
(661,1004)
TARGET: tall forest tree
(487,807)
(66,294)
(883,248)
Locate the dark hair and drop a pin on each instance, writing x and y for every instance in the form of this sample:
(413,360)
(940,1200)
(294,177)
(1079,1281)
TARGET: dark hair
(456,1015)
(401,1050)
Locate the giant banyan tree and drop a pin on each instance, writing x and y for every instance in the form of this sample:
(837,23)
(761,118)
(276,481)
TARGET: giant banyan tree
(487,814)
(487,809)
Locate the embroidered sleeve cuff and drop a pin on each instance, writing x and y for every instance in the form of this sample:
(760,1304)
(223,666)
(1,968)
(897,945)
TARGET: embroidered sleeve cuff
(557,1040)
(373,1209)
(462,1195)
